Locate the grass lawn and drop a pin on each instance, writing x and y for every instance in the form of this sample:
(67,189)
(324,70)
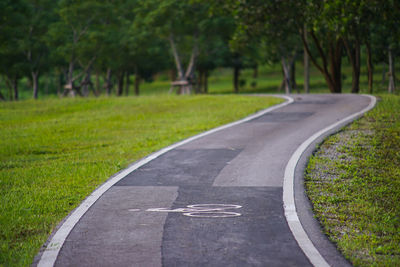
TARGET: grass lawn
(353,182)
(55,152)
(221,82)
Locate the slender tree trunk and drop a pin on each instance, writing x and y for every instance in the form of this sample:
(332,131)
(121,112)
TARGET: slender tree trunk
(128,83)
(236,75)
(2,98)
(200,81)
(335,84)
(355,89)
(178,62)
(205,81)
(10,89)
(137,85)
(15,87)
(293,76)
(283,82)
(370,69)
(255,72)
(69,87)
(35,83)
(86,83)
(191,68)
(392,77)
(137,81)
(97,83)
(353,53)
(306,65)
(108,82)
(286,72)
(120,87)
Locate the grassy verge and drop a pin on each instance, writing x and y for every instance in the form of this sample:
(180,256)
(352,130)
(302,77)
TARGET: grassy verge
(53,153)
(353,182)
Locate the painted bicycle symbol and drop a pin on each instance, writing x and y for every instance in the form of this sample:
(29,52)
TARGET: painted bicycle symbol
(204,210)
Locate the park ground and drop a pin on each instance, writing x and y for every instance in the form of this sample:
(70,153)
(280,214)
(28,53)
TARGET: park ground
(54,152)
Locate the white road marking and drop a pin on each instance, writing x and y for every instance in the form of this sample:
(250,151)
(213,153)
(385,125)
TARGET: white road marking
(288,191)
(52,250)
(134,209)
(204,210)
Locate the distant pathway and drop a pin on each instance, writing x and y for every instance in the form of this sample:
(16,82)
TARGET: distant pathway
(213,201)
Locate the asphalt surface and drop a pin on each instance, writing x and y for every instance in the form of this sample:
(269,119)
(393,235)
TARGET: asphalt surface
(216,201)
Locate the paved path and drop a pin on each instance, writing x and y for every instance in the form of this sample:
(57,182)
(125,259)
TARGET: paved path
(214,201)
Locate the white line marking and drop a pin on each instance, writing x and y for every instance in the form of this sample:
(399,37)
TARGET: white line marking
(288,191)
(204,210)
(50,254)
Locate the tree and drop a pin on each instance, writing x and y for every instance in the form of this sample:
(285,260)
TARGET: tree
(75,35)
(270,25)
(13,16)
(40,16)
(185,25)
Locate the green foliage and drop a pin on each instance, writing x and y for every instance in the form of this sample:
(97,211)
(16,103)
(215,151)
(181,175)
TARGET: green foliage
(354,185)
(53,153)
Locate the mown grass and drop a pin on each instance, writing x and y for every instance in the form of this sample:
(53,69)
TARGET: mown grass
(353,182)
(269,80)
(53,153)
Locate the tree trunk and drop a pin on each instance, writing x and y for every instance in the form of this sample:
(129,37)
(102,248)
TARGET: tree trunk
(370,69)
(97,83)
(178,62)
(293,75)
(200,81)
(287,75)
(306,65)
(205,82)
(332,59)
(86,83)
(137,81)
(35,83)
(355,87)
(191,69)
(2,98)
(255,72)
(15,87)
(128,83)
(108,82)
(335,81)
(392,77)
(236,75)
(69,87)
(353,53)
(120,87)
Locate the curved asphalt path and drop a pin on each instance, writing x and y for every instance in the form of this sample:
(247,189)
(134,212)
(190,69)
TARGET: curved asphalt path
(153,216)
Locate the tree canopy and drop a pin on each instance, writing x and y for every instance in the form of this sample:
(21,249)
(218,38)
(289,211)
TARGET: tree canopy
(111,40)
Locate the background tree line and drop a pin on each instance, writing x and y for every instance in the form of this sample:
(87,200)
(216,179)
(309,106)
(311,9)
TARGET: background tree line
(95,46)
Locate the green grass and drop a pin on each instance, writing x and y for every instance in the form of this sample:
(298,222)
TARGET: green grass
(221,82)
(269,80)
(53,153)
(353,182)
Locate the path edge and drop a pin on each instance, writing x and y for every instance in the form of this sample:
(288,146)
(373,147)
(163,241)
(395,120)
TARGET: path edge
(289,203)
(49,253)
